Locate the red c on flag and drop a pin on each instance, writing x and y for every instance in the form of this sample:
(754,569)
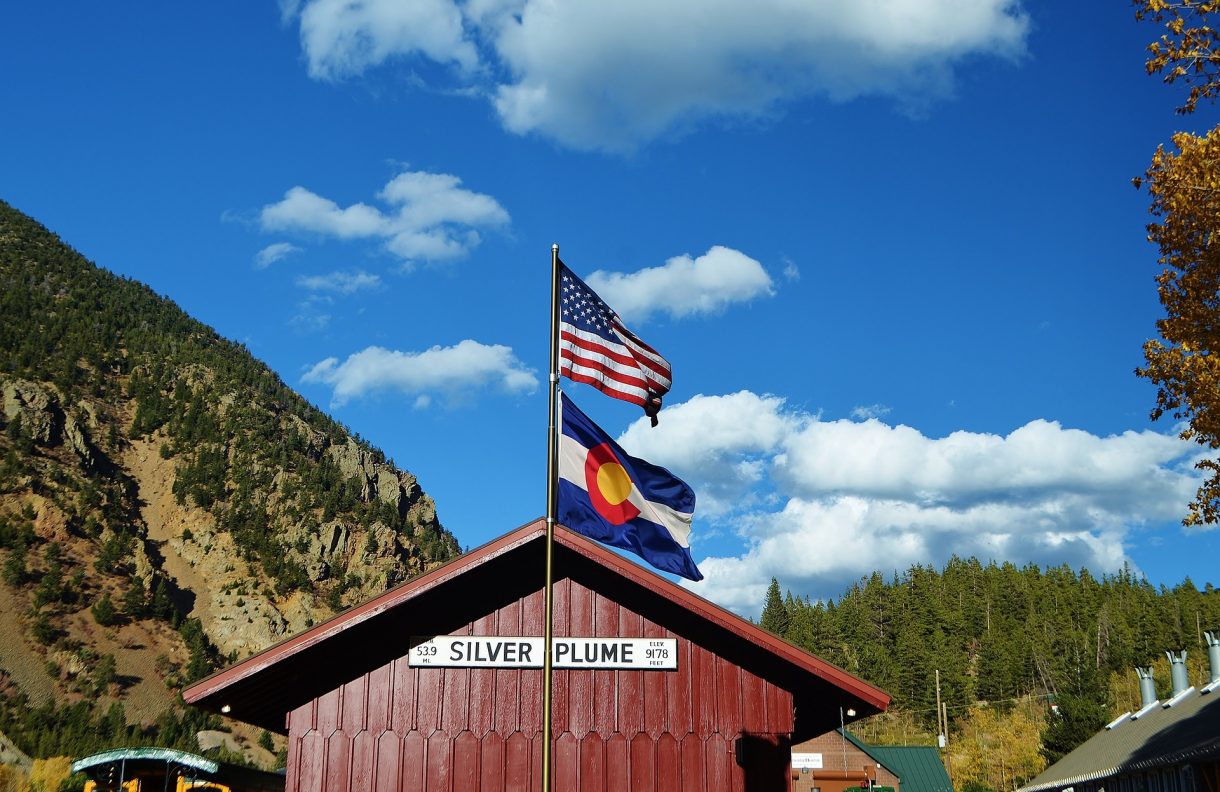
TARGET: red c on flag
(609,485)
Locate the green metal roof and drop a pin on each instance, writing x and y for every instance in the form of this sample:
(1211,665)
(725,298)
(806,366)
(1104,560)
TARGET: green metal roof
(1185,729)
(918,767)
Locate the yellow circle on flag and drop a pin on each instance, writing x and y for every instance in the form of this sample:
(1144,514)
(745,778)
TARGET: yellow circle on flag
(614,483)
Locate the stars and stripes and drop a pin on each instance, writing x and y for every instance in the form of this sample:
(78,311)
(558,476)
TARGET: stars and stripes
(597,349)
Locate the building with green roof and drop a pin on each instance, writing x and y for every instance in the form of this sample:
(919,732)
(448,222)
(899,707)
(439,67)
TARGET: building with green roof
(844,762)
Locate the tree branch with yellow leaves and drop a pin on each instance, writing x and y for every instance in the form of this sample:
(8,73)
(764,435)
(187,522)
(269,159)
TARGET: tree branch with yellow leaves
(1184,183)
(1188,51)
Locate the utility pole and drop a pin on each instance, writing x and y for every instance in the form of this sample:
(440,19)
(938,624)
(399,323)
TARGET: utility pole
(843,743)
(941,739)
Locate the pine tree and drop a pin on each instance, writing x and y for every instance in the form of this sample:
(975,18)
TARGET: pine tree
(103,611)
(134,600)
(775,617)
(1081,710)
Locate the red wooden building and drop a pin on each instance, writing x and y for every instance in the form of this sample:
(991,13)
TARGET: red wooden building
(361,715)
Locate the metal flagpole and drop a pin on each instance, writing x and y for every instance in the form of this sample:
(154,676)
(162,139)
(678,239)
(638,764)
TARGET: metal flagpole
(552,494)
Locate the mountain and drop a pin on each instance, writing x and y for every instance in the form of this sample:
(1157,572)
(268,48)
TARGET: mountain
(167,504)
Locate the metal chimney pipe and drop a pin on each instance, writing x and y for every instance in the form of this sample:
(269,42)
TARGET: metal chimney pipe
(1213,655)
(1147,686)
(1177,671)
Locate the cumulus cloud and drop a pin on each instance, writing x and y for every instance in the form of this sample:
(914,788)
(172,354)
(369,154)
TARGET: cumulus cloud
(429,216)
(842,498)
(342,38)
(453,372)
(611,76)
(683,285)
(340,282)
(727,440)
(273,253)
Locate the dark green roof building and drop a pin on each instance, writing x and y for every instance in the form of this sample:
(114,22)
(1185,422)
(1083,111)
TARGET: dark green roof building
(830,763)
(918,767)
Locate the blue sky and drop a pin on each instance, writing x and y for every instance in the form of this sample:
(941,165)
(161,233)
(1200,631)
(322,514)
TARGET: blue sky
(891,249)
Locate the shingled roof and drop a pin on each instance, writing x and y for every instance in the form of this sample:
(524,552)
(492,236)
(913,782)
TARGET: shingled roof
(1163,734)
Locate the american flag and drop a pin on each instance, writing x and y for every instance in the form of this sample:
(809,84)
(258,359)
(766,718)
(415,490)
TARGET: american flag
(597,349)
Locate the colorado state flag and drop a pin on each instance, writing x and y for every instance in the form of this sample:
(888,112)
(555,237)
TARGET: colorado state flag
(620,500)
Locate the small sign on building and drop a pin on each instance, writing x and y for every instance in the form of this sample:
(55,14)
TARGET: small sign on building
(806,761)
(493,651)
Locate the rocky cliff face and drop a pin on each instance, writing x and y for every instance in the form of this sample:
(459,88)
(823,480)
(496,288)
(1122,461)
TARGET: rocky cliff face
(166,502)
(345,559)
(39,413)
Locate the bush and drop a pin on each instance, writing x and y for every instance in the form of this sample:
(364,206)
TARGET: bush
(42,629)
(105,673)
(103,611)
(14,571)
(12,779)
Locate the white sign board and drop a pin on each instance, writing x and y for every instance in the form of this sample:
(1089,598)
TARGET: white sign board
(494,651)
(806,761)
(643,653)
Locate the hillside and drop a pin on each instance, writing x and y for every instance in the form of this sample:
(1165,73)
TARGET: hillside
(1030,661)
(167,503)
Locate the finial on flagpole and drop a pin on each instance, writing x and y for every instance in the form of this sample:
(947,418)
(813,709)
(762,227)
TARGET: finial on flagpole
(554,246)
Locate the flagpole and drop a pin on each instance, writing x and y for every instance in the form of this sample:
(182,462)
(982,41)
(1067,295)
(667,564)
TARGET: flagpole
(552,488)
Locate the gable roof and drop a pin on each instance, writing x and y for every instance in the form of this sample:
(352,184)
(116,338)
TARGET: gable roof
(264,688)
(1184,729)
(918,767)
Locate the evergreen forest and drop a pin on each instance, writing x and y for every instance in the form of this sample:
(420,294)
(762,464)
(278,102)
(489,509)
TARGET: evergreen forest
(1031,661)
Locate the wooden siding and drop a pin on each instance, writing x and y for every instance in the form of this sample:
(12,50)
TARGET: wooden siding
(452,730)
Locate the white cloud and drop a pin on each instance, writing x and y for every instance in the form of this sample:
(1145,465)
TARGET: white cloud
(342,38)
(273,253)
(340,282)
(1041,458)
(429,216)
(683,286)
(822,546)
(843,498)
(597,75)
(313,313)
(866,411)
(452,372)
(726,439)
(791,271)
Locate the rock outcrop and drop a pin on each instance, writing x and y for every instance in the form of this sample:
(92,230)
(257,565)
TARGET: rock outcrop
(38,411)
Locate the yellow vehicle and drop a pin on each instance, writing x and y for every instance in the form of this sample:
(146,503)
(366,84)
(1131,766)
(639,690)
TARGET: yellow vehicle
(136,785)
(164,769)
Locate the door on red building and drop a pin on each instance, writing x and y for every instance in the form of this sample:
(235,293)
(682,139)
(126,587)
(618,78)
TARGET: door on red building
(766,761)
